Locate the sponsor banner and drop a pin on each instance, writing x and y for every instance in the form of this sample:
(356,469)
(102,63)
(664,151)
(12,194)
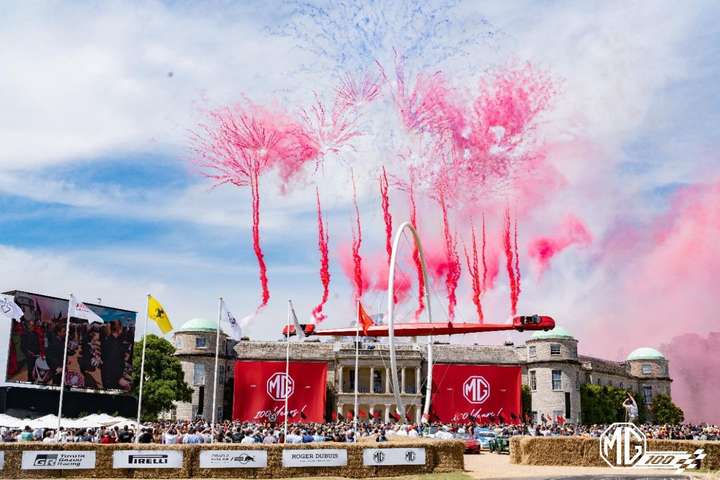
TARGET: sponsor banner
(393,456)
(261,388)
(58,459)
(147,459)
(320,457)
(487,393)
(233,458)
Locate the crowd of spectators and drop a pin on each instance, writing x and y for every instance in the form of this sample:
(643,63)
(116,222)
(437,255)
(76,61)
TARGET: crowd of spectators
(200,431)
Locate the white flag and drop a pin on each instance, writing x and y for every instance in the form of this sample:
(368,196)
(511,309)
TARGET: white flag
(229,324)
(80,310)
(10,309)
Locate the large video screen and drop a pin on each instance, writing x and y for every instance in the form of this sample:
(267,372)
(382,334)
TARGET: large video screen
(99,356)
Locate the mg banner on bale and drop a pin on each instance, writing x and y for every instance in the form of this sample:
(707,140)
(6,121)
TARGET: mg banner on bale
(484,393)
(261,389)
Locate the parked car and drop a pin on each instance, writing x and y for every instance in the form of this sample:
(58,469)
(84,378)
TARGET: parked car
(484,436)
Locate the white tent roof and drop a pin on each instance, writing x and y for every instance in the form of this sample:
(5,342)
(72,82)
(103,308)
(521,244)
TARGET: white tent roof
(50,421)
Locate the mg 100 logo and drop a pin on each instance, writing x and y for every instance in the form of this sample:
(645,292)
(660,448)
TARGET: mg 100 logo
(476,389)
(278,388)
(625,445)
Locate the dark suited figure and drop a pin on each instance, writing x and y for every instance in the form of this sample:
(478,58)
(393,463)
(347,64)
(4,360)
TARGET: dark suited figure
(113,364)
(30,345)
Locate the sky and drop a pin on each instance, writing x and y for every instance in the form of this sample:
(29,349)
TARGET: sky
(101,195)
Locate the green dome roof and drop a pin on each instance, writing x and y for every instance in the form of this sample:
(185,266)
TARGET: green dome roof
(645,353)
(198,325)
(557,332)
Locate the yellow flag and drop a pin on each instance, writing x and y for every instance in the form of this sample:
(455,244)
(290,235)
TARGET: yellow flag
(157,313)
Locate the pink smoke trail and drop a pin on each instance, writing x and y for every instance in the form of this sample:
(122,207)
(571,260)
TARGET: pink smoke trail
(517,262)
(387,216)
(324,261)
(239,145)
(356,243)
(255,193)
(452,276)
(475,276)
(508,246)
(416,254)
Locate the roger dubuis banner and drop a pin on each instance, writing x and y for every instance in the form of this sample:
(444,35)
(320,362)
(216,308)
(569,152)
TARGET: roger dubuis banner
(261,389)
(486,393)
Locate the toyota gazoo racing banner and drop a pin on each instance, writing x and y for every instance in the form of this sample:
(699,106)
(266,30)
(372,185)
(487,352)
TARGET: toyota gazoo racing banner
(483,393)
(261,389)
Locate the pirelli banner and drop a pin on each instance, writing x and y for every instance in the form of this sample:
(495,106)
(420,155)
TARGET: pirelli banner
(261,389)
(484,393)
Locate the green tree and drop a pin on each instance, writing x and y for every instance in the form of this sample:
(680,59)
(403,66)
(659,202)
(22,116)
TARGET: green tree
(665,411)
(604,404)
(164,379)
(526,396)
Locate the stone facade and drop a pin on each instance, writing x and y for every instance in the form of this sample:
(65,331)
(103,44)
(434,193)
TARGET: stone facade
(551,367)
(196,352)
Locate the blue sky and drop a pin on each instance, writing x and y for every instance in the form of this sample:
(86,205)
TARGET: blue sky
(98,196)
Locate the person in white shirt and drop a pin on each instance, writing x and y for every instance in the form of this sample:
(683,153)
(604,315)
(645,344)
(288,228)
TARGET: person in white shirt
(294,437)
(248,438)
(170,437)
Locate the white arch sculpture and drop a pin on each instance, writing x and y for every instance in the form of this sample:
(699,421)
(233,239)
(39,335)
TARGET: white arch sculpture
(391,328)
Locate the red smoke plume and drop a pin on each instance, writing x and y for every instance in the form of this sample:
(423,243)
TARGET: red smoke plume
(324,261)
(452,275)
(416,254)
(510,264)
(476,277)
(356,243)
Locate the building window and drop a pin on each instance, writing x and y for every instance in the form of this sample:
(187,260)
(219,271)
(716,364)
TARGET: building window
(577,380)
(532,351)
(647,369)
(221,374)
(178,342)
(533,380)
(555,349)
(557,380)
(200,342)
(199,374)
(647,393)
(622,385)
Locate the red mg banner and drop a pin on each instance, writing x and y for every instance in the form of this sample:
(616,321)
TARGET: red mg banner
(261,389)
(486,393)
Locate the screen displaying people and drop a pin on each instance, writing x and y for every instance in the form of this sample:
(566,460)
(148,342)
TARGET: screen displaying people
(99,355)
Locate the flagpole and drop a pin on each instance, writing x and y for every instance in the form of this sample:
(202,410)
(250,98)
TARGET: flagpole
(142,368)
(215,378)
(357,354)
(62,377)
(287,368)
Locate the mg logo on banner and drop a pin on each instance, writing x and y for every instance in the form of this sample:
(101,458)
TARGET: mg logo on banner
(625,445)
(278,389)
(476,389)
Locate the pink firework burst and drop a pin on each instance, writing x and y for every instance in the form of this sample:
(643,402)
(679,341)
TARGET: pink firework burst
(354,93)
(240,144)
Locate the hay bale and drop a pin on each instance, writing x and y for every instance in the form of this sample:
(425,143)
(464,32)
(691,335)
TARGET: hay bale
(585,452)
(441,456)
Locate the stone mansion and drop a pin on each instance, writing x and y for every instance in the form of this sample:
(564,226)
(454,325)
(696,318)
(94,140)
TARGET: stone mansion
(550,363)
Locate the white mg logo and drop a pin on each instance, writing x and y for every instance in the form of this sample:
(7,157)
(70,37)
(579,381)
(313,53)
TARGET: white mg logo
(476,389)
(622,444)
(277,388)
